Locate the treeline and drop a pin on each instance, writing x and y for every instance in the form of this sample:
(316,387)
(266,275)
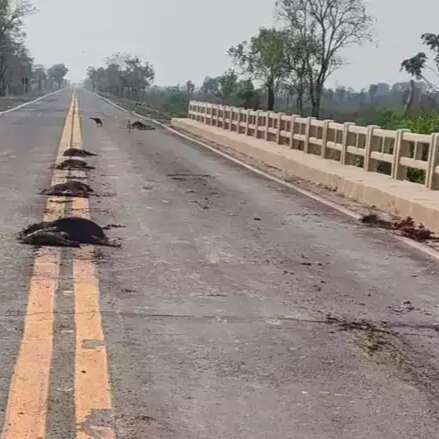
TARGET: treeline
(18,73)
(123,76)
(287,67)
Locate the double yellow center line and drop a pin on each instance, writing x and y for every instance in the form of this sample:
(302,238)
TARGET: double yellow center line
(27,410)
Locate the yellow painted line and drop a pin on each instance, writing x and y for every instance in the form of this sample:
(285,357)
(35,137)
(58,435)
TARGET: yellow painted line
(93,398)
(26,413)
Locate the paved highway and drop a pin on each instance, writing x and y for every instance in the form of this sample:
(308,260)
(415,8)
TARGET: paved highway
(235,308)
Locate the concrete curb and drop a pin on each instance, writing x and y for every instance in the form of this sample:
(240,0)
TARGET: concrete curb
(398,198)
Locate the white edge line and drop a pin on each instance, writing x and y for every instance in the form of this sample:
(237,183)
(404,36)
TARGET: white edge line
(410,243)
(18,107)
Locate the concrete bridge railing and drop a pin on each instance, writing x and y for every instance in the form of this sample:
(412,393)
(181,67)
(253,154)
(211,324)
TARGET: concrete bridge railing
(372,148)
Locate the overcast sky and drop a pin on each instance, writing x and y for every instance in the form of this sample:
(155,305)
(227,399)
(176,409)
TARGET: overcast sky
(187,39)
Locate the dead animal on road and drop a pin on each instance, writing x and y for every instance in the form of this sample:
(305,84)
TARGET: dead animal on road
(406,227)
(409,229)
(76,152)
(99,122)
(71,188)
(73,164)
(138,125)
(49,238)
(65,232)
(373,219)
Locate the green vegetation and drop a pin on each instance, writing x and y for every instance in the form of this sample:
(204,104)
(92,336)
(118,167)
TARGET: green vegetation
(19,76)
(263,59)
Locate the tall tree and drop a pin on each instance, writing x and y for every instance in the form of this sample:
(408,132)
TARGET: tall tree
(39,75)
(263,59)
(12,14)
(210,87)
(137,75)
(418,67)
(57,73)
(246,94)
(124,75)
(227,85)
(326,27)
(296,81)
(92,76)
(373,91)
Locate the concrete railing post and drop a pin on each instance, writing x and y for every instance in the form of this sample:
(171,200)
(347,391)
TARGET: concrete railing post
(292,127)
(325,137)
(279,128)
(432,179)
(398,172)
(247,123)
(211,121)
(205,113)
(215,119)
(218,116)
(344,148)
(307,134)
(368,148)
(267,126)
(257,122)
(232,116)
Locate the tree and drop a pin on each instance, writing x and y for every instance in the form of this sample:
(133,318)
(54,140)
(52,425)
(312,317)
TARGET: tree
(296,64)
(19,73)
(227,85)
(39,75)
(123,75)
(246,94)
(418,66)
(326,27)
(92,76)
(263,59)
(373,91)
(210,87)
(190,89)
(137,76)
(57,73)
(11,37)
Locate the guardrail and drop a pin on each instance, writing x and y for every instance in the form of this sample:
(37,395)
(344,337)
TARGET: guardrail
(372,148)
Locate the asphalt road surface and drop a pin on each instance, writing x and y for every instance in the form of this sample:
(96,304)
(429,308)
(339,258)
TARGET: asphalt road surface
(235,308)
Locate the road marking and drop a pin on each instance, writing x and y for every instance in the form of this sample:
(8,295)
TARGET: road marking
(93,398)
(26,412)
(18,107)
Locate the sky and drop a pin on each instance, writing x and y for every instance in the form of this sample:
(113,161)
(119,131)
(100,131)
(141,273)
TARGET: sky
(188,39)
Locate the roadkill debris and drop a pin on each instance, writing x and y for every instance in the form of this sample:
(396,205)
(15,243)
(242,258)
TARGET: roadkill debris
(406,227)
(114,226)
(72,188)
(73,164)
(183,177)
(137,125)
(406,307)
(76,152)
(99,122)
(65,232)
